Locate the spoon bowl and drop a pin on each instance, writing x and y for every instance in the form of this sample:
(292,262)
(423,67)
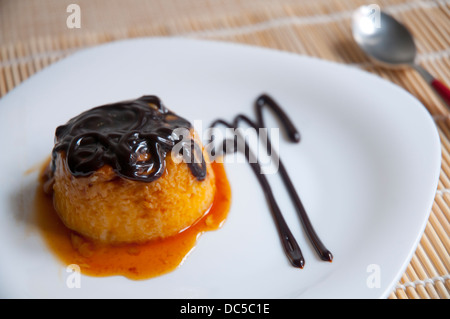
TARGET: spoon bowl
(389,43)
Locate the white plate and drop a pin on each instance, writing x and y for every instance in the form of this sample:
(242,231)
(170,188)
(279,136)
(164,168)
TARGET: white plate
(366,169)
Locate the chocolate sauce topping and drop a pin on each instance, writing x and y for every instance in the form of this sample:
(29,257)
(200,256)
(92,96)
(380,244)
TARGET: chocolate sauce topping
(133,137)
(290,245)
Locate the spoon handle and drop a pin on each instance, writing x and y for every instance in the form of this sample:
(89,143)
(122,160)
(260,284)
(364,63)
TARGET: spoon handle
(439,87)
(442,89)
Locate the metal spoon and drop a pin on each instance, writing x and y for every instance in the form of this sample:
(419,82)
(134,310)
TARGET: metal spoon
(390,44)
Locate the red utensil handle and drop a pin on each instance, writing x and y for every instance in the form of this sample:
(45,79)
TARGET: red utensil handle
(442,89)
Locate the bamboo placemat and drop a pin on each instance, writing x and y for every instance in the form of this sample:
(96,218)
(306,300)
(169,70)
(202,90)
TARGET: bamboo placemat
(33,34)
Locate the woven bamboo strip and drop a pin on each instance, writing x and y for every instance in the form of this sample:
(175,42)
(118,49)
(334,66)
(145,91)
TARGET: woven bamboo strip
(443,290)
(438,212)
(429,36)
(440,70)
(422,277)
(416,272)
(392,296)
(446,211)
(3,88)
(445,168)
(412,276)
(409,290)
(438,246)
(425,267)
(23,70)
(429,258)
(440,229)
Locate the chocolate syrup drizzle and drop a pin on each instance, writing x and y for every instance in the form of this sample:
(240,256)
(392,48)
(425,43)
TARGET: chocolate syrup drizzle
(290,245)
(133,137)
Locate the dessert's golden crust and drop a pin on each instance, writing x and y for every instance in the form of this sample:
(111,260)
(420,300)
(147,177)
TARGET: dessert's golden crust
(110,209)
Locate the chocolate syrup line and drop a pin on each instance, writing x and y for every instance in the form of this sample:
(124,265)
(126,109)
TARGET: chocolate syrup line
(265,100)
(294,136)
(290,245)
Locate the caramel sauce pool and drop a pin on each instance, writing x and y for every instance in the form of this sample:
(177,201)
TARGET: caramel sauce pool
(134,261)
